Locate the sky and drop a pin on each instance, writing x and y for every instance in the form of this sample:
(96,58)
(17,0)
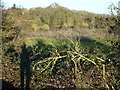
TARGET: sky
(95,6)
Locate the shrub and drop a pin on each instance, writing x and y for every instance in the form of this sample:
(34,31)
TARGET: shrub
(45,27)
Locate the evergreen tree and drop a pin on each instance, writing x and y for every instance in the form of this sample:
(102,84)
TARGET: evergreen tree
(14,6)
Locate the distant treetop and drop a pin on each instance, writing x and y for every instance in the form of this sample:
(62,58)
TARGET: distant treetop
(54,5)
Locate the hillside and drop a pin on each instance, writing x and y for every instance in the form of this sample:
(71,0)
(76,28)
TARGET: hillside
(55,47)
(59,18)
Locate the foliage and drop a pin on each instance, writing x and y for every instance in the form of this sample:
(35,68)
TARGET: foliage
(116,18)
(6,26)
(45,27)
(63,18)
(60,62)
(60,18)
(75,60)
(9,34)
(14,6)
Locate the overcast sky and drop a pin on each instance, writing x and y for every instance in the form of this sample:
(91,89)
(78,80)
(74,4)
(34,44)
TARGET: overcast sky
(95,6)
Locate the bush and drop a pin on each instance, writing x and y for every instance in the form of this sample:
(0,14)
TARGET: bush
(45,27)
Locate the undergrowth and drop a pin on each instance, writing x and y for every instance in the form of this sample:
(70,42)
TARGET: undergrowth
(61,59)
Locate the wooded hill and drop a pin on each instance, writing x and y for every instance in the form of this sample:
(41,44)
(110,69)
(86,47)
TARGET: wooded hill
(60,48)
(58,18)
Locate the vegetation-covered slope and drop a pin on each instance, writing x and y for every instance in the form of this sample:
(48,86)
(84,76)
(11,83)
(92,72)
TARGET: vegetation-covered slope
(61,17)
(59,48)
